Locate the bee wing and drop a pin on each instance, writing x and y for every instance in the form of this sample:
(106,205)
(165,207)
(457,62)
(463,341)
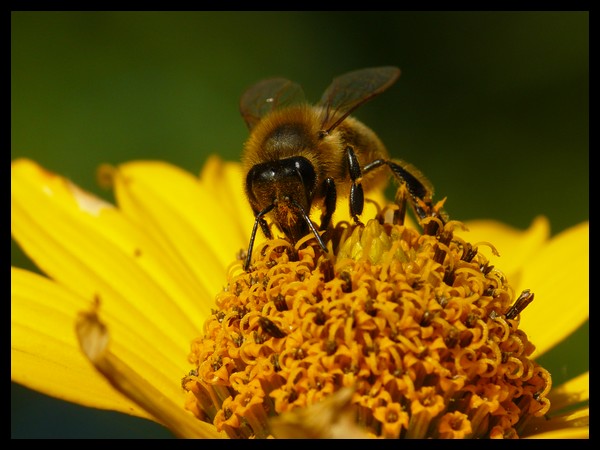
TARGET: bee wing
(267,95)
(347,92)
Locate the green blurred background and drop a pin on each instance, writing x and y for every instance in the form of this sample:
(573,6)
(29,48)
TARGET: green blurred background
(491,106)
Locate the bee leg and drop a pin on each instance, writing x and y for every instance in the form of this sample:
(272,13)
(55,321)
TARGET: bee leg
(412,189)
(357,196)
(265,228)
(420,198)
(330,195)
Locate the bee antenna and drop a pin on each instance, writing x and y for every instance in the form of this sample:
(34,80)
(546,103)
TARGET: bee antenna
(310,224)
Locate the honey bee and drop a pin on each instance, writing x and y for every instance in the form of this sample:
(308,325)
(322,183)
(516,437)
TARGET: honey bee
(299,156)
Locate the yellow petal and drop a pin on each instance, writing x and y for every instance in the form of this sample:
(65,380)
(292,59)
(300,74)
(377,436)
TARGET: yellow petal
(568,416)
(573,425)
(515,246)
(224,181)
(558,275)
(86,244)
(94,251)
(189,224)
(570,433)
(94,338)
(570,393)
(45,354)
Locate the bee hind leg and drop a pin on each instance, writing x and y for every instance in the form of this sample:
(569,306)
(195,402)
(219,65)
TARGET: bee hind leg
(411,189)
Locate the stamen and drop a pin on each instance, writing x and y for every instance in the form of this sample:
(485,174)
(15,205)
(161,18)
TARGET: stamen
(524,299)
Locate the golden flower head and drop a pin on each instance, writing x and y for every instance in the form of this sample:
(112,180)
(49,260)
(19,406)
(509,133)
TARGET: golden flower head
(421,327)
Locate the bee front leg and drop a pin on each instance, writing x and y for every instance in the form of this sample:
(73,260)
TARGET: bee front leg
(259,220)
(357,196)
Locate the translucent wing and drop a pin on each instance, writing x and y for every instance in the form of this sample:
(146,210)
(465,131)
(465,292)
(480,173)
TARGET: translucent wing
(347,92)
(267,95)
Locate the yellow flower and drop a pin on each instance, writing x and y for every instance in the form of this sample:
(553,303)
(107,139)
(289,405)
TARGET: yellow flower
(132,289)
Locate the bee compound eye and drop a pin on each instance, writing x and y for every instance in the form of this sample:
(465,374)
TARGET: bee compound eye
(306,170)
(258,184)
